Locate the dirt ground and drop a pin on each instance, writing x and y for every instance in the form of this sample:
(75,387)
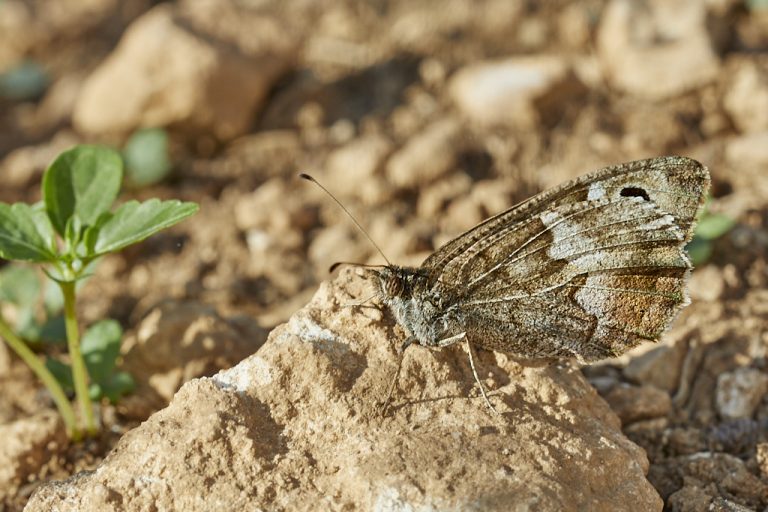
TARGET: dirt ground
(423,118)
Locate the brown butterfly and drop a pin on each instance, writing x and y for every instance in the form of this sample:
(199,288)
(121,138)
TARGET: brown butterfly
(588,270)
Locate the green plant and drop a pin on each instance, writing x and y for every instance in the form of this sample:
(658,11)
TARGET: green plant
(70,229)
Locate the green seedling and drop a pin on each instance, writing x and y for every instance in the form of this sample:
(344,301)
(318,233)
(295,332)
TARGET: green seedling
(65,234)
(39,321)
(711,226)
(101,348)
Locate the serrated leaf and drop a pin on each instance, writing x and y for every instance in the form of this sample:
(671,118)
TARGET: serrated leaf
(134,221)
(101,347)
(85,181)
(24,235)
(713,226)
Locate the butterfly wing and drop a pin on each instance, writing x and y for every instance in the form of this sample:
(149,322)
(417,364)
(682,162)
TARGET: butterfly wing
(588,269)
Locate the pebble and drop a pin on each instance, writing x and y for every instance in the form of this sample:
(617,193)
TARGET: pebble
(746,100)
(511,91)
(427,156)
(739,392)
(635,403)
(656,50)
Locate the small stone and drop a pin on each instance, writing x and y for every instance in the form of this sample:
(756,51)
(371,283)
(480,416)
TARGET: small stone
(167,70)
(656,49)
(427,156)
(748,151)
(761,454)
(516,91)
(746,99)
(706,283)
(659,366)
(635,403)
(739,392)
(351,169)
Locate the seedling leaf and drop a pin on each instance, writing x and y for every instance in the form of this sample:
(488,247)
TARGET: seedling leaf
(25,234)
(85,181)
(101,347)
(62,372)
(114,388)
(134,221)
(19,285)
(714,225)
(146,157)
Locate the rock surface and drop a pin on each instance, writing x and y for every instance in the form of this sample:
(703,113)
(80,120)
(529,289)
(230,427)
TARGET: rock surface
(296,427)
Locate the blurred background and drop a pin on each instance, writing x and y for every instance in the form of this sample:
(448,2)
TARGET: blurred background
(424,118)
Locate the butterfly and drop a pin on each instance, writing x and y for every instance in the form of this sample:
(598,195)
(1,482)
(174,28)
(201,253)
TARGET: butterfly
(586,270)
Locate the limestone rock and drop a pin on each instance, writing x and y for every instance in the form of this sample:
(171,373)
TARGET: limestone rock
(516,91)
(297,427)
(167,71)
(656,49)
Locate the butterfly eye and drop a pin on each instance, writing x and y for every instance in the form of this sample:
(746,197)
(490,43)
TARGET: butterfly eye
(635,192)
(393,286)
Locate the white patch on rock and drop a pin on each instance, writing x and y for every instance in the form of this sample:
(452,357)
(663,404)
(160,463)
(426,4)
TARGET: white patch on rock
(308,330)
(253,371)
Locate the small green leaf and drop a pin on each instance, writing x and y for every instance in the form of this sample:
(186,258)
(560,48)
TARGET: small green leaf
(26,81)
(714,225)
(53,331)
(699,251)
(115,387)
(62,372)
(101,347)
(20,285)
(53,299)
(146,157)
(134,221)
(85,181)
(25,234)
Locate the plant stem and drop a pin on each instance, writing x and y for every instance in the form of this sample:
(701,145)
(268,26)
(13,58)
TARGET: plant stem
(50,382)
(79,371)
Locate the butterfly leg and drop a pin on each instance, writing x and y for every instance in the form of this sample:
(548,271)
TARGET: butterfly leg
(361,303)
(393,383)
(471,351)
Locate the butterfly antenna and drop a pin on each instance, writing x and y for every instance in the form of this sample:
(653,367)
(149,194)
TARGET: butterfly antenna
(313,180)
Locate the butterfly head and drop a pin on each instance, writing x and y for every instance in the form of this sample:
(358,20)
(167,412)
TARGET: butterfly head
(397,282)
